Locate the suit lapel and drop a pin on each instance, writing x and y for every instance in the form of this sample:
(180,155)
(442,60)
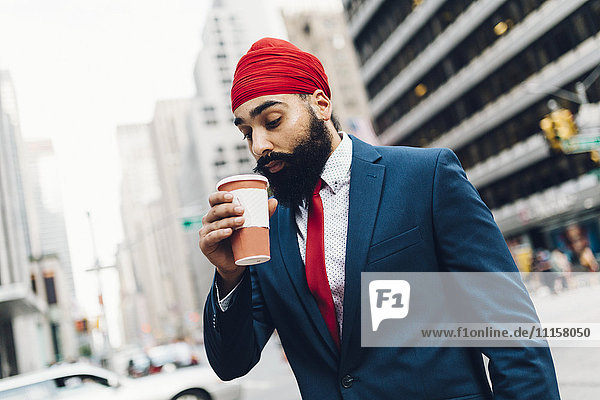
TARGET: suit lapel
(288,243)
(366,181)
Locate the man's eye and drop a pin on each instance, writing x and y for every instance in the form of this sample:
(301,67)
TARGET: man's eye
(273,124)
(247,134)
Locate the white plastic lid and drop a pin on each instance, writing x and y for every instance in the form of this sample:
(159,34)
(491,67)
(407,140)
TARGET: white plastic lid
(244,177)
(252,260)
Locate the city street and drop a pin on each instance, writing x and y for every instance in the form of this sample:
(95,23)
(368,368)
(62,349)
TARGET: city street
(272,378)
(577,368)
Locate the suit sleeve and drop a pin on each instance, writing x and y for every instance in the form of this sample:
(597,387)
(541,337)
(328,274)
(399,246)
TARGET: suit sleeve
(235,338)
(468,239)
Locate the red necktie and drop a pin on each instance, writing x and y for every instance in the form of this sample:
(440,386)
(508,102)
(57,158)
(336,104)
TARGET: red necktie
(316,275)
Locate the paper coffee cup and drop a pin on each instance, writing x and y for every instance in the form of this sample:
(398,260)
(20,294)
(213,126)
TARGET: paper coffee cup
(250,242)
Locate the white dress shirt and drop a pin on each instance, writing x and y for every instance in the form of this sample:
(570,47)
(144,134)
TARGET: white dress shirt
(335,195)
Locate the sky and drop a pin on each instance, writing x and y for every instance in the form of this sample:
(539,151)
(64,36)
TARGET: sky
(80,68)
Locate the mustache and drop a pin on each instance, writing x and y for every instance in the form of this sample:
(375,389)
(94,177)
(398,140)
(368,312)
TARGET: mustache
(275,156)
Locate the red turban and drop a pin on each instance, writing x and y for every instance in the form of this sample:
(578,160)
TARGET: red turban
(274,66)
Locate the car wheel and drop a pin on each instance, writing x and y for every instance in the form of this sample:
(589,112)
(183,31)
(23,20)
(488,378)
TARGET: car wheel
(193,394)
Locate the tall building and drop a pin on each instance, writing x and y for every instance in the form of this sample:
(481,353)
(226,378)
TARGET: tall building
(148,300)
(47,205)
(230,29)
(49,244)
(159,255)
(169,139)
(325,34)
(477,77)
(24,331)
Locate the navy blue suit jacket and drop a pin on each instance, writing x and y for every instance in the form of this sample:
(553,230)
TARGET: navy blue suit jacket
(412,210)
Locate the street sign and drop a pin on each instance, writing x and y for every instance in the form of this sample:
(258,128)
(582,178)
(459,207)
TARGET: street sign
(191,223)
(580,144)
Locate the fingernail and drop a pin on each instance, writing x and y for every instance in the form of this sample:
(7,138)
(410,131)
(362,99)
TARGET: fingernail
(239,220)
(228,196)
(239,209)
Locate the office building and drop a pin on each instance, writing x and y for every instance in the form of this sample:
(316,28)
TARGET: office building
(148,295)
(325,34)
(230,29)
(24,331)
(49,244)
(478,77)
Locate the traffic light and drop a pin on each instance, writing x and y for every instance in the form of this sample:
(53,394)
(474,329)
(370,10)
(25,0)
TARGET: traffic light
(558,126)
(81,325)
(564,123)
(547,125)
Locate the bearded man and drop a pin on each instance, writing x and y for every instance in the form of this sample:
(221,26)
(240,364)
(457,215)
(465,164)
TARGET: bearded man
(343,207)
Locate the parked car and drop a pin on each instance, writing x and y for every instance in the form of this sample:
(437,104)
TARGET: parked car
(139,365)
(130,360)
(136,362)
(83,381)
(170,356)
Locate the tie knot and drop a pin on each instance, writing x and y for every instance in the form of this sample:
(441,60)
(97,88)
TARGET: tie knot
(317,187)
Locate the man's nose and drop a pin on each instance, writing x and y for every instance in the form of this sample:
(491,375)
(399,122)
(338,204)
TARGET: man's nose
(261,145)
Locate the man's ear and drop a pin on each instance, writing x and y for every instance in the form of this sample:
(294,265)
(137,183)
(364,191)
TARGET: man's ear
(322,105)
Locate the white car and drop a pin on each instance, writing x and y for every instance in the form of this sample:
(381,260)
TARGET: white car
(83,381)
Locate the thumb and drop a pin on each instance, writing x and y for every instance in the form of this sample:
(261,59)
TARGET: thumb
(272,206)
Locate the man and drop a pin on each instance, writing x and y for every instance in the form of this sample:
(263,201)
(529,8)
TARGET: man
(346,207)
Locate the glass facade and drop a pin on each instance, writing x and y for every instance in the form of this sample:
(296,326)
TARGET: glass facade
(519,127)
(443,18)
(547,49)
(386,19)
(574,29)
(535,178)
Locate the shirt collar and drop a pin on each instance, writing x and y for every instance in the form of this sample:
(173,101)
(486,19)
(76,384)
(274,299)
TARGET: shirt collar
(337,168)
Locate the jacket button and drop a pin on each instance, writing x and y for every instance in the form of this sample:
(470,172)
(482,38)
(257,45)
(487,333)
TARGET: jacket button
(347,381)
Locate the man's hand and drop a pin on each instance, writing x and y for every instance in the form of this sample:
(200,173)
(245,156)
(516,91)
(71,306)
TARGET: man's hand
(217,227)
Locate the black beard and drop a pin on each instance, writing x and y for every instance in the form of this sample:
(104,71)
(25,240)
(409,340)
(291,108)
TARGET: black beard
(294,184)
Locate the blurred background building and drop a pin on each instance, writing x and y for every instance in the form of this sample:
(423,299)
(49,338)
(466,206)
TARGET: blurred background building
(478,77)
(159,298)
(47,205)
(50,246)
(36,326)
(144,300)
(230,29)
(325,35)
